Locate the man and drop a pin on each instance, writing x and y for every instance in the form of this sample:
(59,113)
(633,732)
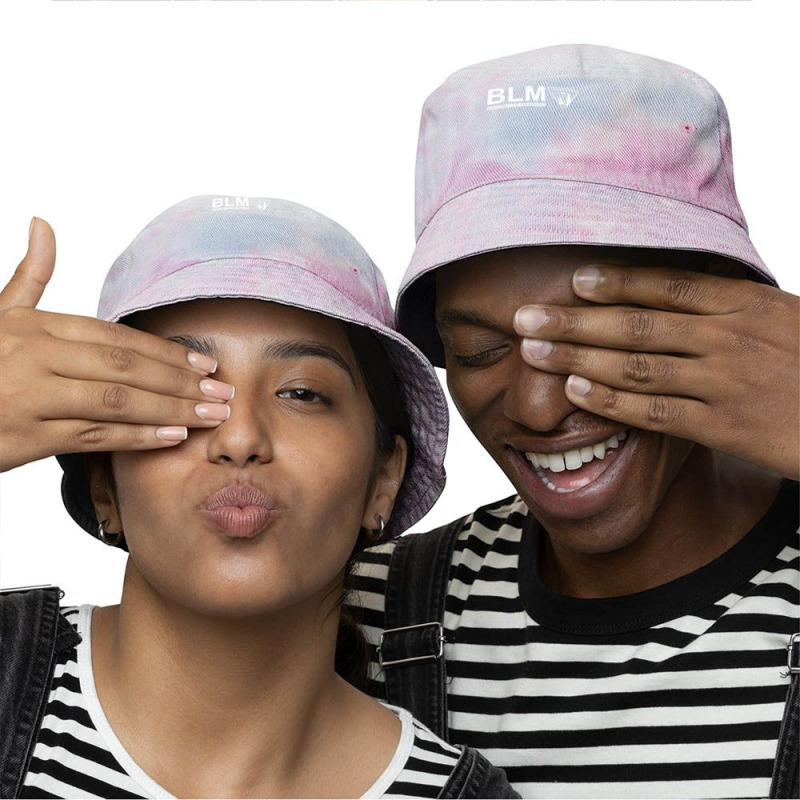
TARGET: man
(619,627)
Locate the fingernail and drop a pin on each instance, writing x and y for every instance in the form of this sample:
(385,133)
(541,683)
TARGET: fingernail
(578,385)
(218,389)
(537,348)
(216,411)
(203,363)
(530,318)
(585,279)
(174,433)
(30,228)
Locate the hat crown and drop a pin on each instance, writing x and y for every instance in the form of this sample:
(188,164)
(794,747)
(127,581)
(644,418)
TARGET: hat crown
(576,113)
(220,228)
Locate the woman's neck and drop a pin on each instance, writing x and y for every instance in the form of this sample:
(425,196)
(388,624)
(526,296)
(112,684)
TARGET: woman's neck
(212,706)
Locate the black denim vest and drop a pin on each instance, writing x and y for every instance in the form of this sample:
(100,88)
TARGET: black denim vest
(33,633)
(32,636)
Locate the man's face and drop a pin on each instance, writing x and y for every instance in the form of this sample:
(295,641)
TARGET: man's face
(601,482)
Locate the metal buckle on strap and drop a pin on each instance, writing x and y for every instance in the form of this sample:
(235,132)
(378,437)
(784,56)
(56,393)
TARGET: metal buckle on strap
(793,659)
(412,659)
(14,589)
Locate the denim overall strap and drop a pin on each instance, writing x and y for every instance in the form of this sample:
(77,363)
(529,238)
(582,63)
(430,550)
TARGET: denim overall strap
(32,635)
(474,777)
(411,648)
(786,774)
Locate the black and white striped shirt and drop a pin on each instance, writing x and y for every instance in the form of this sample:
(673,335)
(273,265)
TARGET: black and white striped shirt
(675,692)
(77,753)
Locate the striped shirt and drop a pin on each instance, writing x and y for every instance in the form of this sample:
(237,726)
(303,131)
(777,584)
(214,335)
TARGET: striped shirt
(77,753)
(675,692)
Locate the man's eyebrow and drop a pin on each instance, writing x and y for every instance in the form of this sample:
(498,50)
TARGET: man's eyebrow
(455,316)
(287,349)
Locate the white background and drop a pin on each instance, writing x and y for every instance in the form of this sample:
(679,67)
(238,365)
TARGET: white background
(112,111)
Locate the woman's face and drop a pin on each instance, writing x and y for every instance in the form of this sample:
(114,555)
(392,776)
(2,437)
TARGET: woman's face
(263,511)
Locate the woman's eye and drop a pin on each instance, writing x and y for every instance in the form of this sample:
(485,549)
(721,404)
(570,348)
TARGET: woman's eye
(304,395)
(481,359)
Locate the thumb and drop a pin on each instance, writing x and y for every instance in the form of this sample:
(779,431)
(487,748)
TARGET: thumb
(28,282)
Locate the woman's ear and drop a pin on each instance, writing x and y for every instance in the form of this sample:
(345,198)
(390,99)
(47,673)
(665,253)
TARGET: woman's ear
(386,486)
(101,489)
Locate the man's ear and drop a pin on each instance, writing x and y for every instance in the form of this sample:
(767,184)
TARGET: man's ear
(386,486)
(102,490)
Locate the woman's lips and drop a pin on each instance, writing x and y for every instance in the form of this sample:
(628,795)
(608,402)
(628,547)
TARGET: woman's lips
(241,510)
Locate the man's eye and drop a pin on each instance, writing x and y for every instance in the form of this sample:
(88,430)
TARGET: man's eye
(481,359)
(304,395)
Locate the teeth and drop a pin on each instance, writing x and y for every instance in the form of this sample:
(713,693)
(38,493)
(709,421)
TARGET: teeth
(574,459)
(599,450)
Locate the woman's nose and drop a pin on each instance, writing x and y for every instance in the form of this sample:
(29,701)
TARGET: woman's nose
(244,438)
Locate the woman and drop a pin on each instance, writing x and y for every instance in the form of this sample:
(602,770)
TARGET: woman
(225,670)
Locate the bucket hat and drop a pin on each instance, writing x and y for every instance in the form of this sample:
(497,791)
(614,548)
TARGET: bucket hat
(279,251)
(572,144)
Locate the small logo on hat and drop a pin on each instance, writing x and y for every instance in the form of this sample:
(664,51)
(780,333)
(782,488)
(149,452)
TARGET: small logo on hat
(239,202)
(516,96)
(230,202)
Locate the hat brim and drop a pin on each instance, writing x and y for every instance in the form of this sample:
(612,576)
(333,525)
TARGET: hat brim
(540,212)
(260,279)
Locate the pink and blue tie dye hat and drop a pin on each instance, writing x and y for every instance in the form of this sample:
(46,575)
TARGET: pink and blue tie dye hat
(275,250)
(572,144)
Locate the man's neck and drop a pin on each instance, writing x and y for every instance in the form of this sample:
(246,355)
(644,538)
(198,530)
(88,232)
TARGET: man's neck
(712,503)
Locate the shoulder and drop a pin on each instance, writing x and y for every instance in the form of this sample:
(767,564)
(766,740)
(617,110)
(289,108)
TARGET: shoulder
(427,766)
(422,765)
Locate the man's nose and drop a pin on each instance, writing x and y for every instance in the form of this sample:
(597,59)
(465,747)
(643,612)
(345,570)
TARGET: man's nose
(245,438)
(535,399)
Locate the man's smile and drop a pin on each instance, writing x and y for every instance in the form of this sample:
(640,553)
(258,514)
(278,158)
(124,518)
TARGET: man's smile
(577,482)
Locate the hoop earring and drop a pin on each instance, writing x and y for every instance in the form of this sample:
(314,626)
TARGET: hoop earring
(106,537)
(375,534)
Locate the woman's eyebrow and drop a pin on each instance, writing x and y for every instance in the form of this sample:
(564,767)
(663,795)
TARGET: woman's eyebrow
(296,348)
(290,348)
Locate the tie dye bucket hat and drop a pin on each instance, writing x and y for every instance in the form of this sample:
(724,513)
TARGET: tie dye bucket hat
(572,144)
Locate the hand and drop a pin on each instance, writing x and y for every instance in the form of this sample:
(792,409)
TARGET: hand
(705,358)
(76,384)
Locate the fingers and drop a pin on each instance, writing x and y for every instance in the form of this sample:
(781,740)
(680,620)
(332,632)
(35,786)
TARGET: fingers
(619,327)
(675,416)
(101,401)
(86,436)
(667,289)
(630,371)
(88,330)
(129,368)
(34,271)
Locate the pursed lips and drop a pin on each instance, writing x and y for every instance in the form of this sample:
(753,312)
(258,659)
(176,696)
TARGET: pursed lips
(240,509)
